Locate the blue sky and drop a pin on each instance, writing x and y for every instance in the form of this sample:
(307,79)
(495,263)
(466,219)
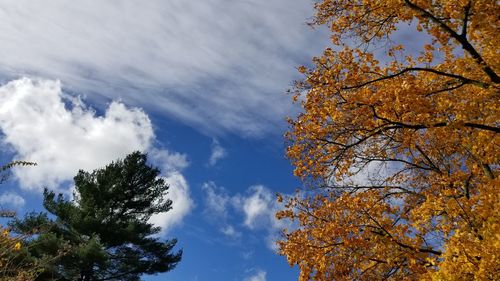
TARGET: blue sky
(199,85)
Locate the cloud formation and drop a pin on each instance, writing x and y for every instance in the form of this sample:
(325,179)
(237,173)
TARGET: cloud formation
(11,199)
(172,164)
(218,152)
(42,124)
(257,206)
(182,203)
(219,66)
(260,275)
(62,135)
(230,232)
(217,200)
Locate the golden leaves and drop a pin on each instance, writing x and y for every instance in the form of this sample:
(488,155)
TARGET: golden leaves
(434,122)
(8,243)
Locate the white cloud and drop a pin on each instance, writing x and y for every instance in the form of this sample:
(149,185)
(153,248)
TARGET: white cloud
(260,275)
(258,207)
(217,208)
(11,199)
(40,128)
(368,174)
(40,123)
(169,161)
(218,152)
(182,203)
(217,65)
(230,232)
(171,164)
(216,200)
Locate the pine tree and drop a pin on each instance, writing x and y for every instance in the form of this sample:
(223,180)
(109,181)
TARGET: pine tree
(104,233)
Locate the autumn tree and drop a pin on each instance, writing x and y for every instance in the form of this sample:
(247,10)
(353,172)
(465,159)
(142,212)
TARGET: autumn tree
(104,232)
(401,148)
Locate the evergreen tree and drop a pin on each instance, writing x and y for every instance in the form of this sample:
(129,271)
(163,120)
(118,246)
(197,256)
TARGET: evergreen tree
(104,233)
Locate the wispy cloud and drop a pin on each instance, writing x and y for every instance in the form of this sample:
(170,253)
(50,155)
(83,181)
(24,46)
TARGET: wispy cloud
(217,200)
(218,152)
(220,66)
(259,207)
(259,275)
(40,123)
(230,232)
(255,209)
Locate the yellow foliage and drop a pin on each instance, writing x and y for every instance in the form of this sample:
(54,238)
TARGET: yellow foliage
(10,268)
(429,120)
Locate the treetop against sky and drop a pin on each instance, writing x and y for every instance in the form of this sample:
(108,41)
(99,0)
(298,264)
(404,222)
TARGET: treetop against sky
(392,138)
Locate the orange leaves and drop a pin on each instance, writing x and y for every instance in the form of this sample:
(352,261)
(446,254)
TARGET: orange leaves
(430,118)
(353,229)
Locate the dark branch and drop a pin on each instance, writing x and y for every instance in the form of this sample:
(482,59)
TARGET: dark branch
(466,20)
(466,45)
(396,124)
(482,127)
(402,245)
(423,69)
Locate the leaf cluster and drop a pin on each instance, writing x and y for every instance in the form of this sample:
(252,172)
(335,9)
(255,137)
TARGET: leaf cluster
(404,146)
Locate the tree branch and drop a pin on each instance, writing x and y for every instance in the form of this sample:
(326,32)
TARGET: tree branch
(423,69)
(466,20)
(402,245)
(466,45)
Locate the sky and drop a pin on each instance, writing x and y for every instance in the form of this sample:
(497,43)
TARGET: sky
(198,85)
